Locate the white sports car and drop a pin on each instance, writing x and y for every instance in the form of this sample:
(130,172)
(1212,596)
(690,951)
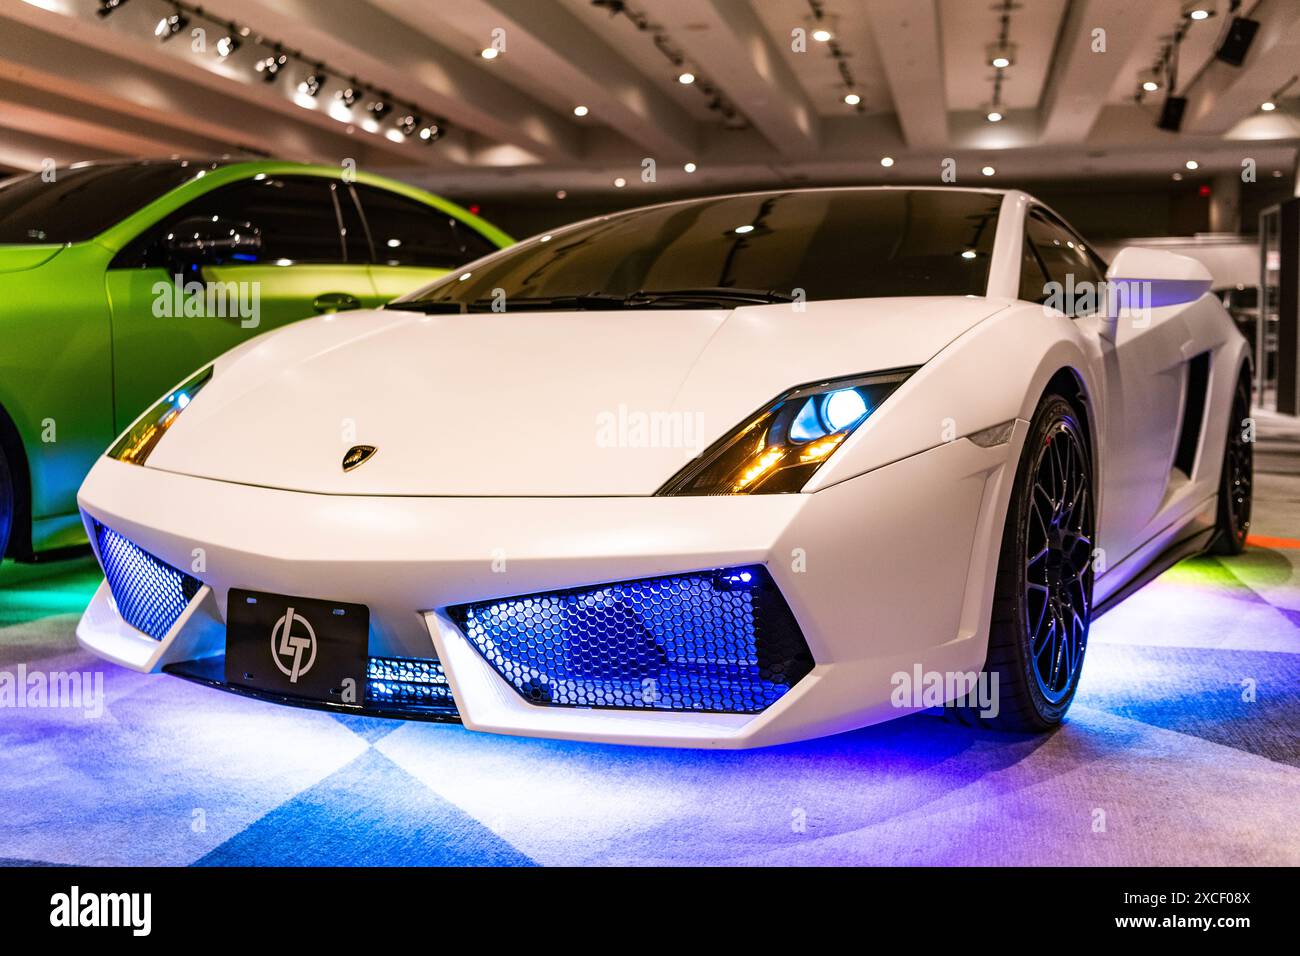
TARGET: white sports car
(725,472)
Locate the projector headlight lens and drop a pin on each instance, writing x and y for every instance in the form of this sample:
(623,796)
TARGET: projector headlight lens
(782,446)
(140,439)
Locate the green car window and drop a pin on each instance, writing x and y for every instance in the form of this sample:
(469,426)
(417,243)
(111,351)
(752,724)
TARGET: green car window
(408,233)
(80,202)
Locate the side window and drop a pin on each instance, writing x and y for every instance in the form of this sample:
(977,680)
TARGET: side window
(1033,280)
(295,218)
(1067,261)
(409,233)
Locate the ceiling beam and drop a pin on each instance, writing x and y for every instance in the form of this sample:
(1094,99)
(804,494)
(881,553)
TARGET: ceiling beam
(554,55)
(1222,95)
(1081,79)
(731,45)
(907,39)
(128,75)
(361,39)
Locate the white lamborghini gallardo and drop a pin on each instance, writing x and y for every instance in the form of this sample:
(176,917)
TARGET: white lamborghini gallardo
(713,473)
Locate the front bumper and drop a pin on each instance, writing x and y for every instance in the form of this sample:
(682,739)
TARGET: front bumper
(882,572)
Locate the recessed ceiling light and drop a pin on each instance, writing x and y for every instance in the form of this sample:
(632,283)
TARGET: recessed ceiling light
(744,229)
(1150,86)
(560,194)
(689,167)
(1192,164)
(988,170)
(686,79)
(1000,62)
(821,35)
(620,182)
(1268,106)
(852,99)
(580,111)
(968,254)
(995,116)
(1199,13)
(1277,174)
(886,161)
(489,53)
(1178,177)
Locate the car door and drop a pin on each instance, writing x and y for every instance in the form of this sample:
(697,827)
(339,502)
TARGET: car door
(235,262)
(414,243)
(1145,372)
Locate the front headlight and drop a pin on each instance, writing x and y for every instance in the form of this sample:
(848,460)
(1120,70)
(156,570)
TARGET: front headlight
(140,439)
(783,445)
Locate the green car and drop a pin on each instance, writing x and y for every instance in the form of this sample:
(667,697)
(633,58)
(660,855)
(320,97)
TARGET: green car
(118,279)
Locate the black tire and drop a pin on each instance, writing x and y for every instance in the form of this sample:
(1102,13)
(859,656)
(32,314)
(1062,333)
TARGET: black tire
(7,504)
(1236,478)
(1042,600)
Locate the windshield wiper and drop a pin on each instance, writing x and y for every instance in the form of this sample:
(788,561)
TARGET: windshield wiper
(601,301)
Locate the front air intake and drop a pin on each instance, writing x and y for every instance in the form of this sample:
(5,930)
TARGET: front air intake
(716,641)
(150,594)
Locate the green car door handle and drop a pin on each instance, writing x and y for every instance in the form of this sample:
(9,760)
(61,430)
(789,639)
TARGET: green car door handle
(335,302)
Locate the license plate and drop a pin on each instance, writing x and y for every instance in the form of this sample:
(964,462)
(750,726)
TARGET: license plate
(299,647)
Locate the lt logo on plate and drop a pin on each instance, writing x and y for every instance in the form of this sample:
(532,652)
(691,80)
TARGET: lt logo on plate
(358,455)
(286,644)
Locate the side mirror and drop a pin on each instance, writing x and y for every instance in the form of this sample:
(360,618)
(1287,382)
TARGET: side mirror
(1141,279)
(212,240)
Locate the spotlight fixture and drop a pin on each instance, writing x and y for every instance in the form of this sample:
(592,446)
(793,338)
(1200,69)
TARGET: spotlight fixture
(311,84)
(227,45)
(852,99)
(1001,55)
(580,111)
(821,35)
(378,108)
(1150,86)
(1197,10)
(686,79)
(108,7)
(1178,177)
(994,116)
(171,25)
(270,66)
(347,96)
(431,133)
(620,183)
(886,161)
(408,124)
(1268,106)
(489,53)
(1192,164)
(988,170)
(689,167)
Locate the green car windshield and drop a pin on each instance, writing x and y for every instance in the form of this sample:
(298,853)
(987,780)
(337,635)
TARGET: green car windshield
(79,202)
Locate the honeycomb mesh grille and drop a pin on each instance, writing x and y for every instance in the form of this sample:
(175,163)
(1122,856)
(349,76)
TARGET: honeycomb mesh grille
(398,680)
(149,594)
(716,641)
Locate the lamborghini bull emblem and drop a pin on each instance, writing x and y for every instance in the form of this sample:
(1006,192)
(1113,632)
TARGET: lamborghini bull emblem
(358,455)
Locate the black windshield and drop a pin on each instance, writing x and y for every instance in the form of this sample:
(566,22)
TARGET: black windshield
(814,244)
(80,202)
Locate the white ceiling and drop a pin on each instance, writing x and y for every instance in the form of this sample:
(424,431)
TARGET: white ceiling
(79,86)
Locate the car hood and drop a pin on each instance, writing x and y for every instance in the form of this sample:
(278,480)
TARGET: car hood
(20,258)
(526,404)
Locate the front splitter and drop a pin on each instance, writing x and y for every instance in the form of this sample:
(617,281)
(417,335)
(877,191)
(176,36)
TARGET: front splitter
(211,672)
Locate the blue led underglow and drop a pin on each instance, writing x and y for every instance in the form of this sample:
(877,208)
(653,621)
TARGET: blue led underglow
(149,594)
(407,681)
(722,641)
